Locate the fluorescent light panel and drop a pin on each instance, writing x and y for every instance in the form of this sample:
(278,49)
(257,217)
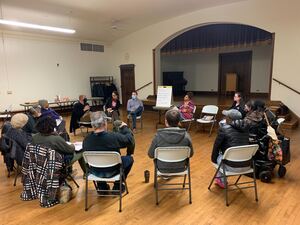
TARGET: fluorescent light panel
(36,26)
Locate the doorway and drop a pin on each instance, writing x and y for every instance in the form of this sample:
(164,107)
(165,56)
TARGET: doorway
(239,63)
(127,82)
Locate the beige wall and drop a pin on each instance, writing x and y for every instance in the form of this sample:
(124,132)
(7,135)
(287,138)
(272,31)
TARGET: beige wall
(28,68)
(281,17)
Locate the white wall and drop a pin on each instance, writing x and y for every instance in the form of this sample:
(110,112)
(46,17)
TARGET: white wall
(202,69)
(28,68)
(281,17)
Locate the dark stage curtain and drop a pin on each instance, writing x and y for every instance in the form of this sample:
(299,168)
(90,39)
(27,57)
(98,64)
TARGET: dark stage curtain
(217,36)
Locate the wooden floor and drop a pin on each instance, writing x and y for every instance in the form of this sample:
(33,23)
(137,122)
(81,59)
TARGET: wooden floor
(279,202)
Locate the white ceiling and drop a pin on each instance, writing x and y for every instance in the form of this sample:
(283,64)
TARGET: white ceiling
(99,20)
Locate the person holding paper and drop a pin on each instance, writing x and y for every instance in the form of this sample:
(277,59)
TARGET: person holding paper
(135,108)
(47,137)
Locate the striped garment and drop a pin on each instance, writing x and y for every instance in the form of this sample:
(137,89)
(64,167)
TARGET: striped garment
(41,172)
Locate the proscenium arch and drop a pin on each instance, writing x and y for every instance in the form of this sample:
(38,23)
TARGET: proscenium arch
(156,50)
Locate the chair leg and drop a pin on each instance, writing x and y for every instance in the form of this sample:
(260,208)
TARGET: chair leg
(226,186)
(120,193)
(254,180)
(17,174)
(212,180)
(190,184)
(141,122)
(77,185)
(86,193)
(184,179)
(238,180)
(156,187)
(189,126)
(126,187)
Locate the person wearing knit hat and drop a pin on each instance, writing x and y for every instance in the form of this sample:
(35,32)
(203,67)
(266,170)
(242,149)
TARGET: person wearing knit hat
(19,120)
(233,132)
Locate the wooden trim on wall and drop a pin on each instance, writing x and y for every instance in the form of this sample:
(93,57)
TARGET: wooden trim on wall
(271,65)
(154,71)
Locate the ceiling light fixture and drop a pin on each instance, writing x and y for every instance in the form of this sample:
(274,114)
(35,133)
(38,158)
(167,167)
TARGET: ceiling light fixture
(36,26)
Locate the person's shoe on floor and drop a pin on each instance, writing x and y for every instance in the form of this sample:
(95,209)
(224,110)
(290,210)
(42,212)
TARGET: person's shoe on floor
(219,183)
(102,188)
(116,187)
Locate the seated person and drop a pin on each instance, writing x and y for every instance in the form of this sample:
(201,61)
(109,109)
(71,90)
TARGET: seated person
(253,117)
(18,136)
(47,137)
(187,107)
(238,104)
(102,140)
(33,114)
(80,109)
(46,111)
(233,133)
(170,136)
(112,106)
(135,108)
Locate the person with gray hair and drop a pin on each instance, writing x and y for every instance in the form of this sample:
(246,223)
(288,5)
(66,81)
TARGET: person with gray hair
(103,140)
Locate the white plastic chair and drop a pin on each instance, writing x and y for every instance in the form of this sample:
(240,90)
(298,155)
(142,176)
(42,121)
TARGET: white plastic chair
(190,120)
(104,159)
(237,157)
(172,155)
(208,110)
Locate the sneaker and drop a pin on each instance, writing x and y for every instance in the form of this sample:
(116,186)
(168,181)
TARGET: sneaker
(134,130)
(104,188)
(219,183)
(116,187)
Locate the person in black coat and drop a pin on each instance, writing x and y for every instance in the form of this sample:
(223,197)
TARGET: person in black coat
(112,106)
(79,109)
(233,133)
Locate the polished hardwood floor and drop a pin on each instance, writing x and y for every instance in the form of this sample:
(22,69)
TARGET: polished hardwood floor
(279,201)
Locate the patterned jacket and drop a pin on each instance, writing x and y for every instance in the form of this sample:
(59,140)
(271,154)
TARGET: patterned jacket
(41,172)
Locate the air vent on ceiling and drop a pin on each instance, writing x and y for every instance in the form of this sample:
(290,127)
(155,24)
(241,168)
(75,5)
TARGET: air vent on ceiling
(91,47)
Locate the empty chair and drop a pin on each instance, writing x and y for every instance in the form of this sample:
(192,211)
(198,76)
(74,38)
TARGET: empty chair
(208,116)
(104,159)
(237,161)
(190,120)
(172,155)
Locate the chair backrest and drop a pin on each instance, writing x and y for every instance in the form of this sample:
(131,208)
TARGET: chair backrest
(210,109)
(172,154)
(240,153)
(102,159)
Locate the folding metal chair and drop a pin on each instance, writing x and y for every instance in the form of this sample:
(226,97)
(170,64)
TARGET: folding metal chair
(208,110)
(172,155)
(237,157)
(190,120)
(104,159)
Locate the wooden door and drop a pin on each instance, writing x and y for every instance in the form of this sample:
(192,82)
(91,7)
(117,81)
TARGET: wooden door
(127,82)
(239,63)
